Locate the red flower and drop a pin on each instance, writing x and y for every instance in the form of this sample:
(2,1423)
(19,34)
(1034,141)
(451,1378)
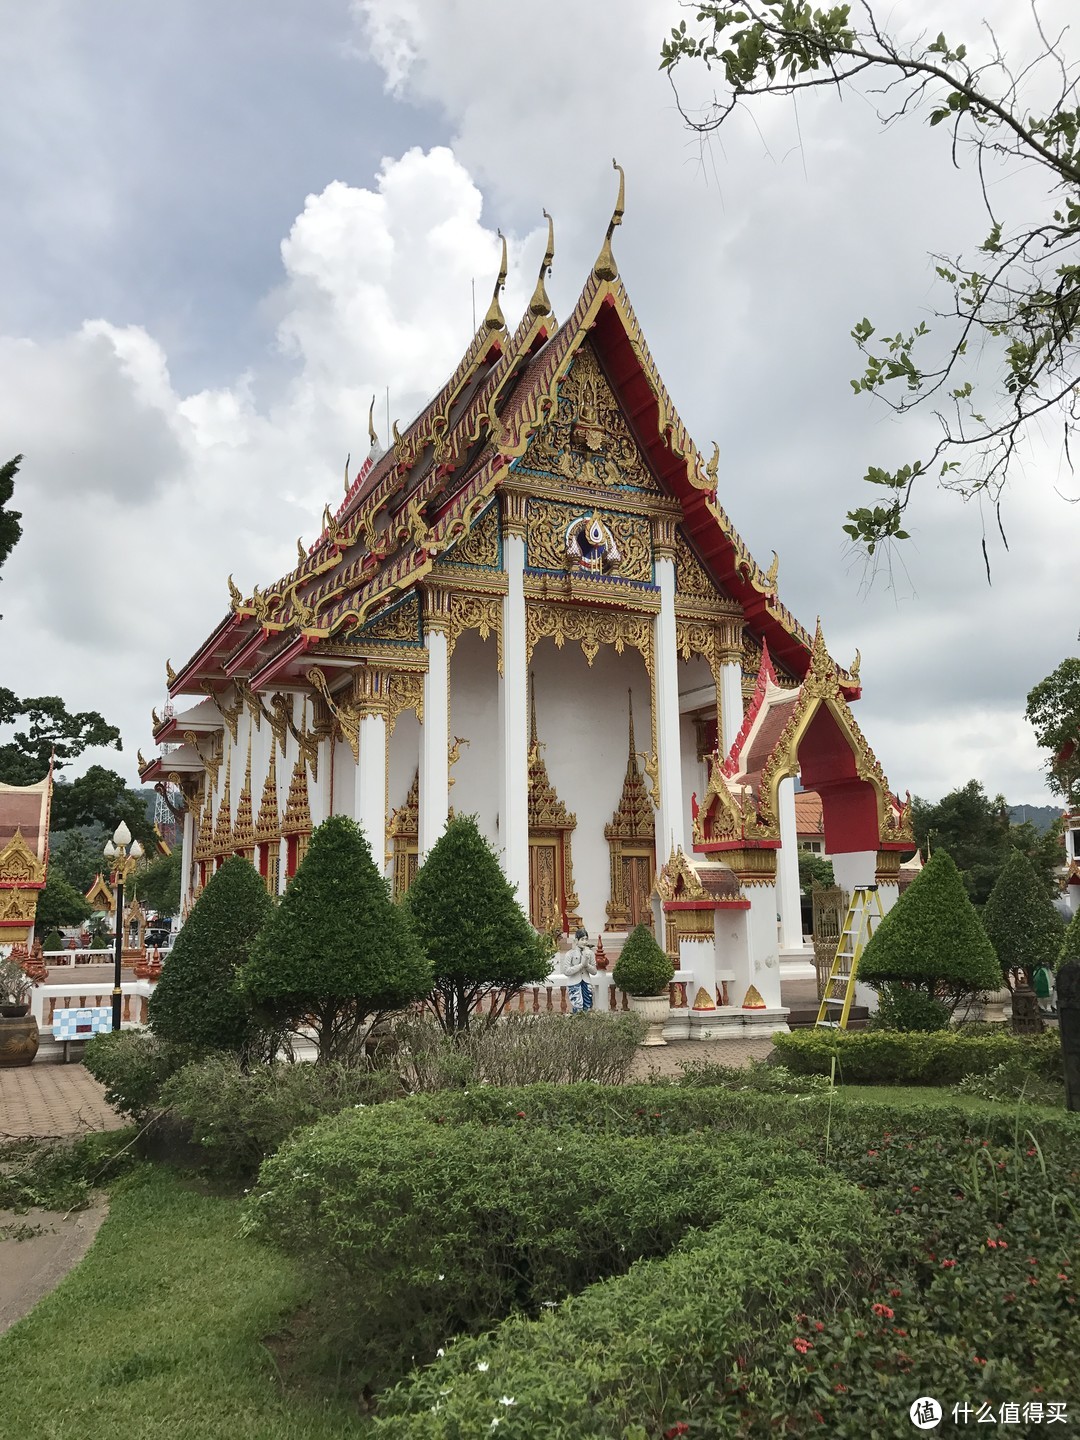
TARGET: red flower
(801,1345)
(819,1326)
(521,1114)
(1062,1275)
(871,1152)
(978,1360)
(681,1428)
(1033,1280)
(896,1294)
(915,1189)
(1032,1152)
(901,1333)
(948,1264)
(840,1389)
(883,1310)
(1009,1295)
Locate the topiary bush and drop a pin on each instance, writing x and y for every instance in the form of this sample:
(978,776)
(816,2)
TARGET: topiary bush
(238,1116)
(197,1001)
(474,933)
(932,938)
(53,941)
(642,969)
(889,1057)
(336,950)
(901,1007)
(1024,928)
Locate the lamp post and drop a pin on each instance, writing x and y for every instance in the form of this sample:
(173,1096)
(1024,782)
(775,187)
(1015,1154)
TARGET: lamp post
(125,854)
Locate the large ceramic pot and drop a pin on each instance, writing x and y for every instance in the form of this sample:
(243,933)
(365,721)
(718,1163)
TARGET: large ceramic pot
(655,1009)
(994,1006)
(18,1038)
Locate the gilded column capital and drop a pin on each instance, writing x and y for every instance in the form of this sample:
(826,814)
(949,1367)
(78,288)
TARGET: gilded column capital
(436,608)
(663,528)
(513,513)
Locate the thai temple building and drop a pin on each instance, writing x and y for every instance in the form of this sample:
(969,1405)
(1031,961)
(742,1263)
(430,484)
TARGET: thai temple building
(24,857)
(533,608)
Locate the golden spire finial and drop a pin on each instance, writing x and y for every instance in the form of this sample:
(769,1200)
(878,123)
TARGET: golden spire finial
(494,320)
(301,553)
(371,425)
(605,267)
(247,771)
(348,457)
(773,571)
(540,304)
(533,737)
(713,467)
(170,674)
(235,598)
(630,703)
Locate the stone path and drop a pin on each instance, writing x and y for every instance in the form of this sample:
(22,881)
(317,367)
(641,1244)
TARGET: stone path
(31,1267)
(670,1058)
(51,1101)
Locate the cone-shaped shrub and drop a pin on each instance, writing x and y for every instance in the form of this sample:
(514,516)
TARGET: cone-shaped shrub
(642,968)
(1070,946)
(932,938)
(472,929)
(197,1000)
(336,950)
(1024,927)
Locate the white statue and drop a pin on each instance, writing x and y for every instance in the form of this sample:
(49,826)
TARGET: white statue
(579,966)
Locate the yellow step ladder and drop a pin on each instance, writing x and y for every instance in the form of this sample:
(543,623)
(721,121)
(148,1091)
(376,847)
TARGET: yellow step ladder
(863,916)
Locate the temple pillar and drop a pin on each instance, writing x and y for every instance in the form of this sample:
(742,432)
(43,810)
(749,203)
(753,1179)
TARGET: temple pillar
(731,702)
(187,847)
(858,867)
(787,870)
(669,825)
(434,738)
(514,708)
(369,800)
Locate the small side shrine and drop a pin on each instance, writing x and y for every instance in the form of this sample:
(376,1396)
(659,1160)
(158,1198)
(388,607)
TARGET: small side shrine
(24,857)
(721,909)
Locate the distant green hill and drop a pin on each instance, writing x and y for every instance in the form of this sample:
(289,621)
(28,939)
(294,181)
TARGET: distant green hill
(1041,816)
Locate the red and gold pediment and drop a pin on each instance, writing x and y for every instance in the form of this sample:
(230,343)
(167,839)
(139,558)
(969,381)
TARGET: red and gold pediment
(18,863)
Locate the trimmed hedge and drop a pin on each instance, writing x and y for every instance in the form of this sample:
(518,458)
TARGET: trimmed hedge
(417,1227)
(892,1057)
(1024,928)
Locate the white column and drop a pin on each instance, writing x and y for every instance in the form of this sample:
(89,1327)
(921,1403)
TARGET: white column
(187,846)
(434,743)
(763,969)
(514,725)
(731,703)
(857,867)
(670,819)
(787,870)
(369,801)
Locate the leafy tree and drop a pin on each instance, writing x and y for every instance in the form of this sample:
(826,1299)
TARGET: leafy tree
(101,797)
(59,904)
(932,938)
(1070,945)
(158,886)
(197,1000)
(336,951)
(642,969)
(975,830)
(1053,710)
(78,856)
(1024,928)
(472,929)
(10,529)
(50,729)
(1019,292)
(813,870)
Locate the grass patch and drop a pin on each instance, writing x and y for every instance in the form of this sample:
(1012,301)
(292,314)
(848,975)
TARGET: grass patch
(939,1095)
(159,1333)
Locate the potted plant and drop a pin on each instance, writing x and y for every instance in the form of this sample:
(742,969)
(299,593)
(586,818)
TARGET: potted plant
(644,972)
(18,1028)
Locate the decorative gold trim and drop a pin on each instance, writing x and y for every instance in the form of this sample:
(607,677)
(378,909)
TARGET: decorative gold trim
(211,763)
(18,863)
(297,817)
(475,612)
(223,842)
(229,713)
(268,825)
(548,816)
(632,828)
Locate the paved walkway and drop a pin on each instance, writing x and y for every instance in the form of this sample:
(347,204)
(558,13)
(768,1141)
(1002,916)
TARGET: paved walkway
(50,1101)
(32,1266)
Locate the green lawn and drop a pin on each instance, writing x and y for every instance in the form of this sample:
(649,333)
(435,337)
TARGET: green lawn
(158,1333)
(936,1095)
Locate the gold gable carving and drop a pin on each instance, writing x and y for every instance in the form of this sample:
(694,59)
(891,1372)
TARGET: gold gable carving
(401,624)
(586,442)
(268,825)
(480,545)
(18,863)
(18,906)
(546,526)
(692,580)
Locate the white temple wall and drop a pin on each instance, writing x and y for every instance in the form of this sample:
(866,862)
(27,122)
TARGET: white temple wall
(857,867)
(582,722)
(694,675)
(344,783)
(474,715)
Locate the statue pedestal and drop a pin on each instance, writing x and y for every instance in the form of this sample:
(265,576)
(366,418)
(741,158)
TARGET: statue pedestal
(723,1023)
(760,1024)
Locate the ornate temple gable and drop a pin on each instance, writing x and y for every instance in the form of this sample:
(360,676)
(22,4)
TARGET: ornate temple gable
(100,895)
(398,625)
(19,865)
(554,541)
(693,583)
(742,798)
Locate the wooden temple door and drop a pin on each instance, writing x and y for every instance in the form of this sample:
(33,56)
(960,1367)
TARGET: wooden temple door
(638,874)
(546,894)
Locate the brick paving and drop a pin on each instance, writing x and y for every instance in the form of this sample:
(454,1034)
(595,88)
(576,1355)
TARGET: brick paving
(47,1101)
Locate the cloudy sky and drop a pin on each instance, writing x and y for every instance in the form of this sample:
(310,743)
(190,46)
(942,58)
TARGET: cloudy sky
(225,227)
